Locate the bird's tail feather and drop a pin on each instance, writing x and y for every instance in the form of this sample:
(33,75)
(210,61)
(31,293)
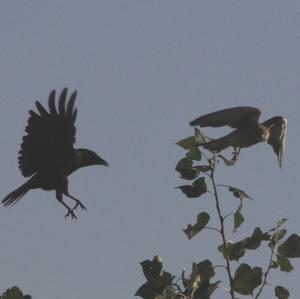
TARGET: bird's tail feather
(13,197)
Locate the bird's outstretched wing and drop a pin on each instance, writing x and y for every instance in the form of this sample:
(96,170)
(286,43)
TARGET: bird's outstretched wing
(277,138)
(50,135)
(237,117)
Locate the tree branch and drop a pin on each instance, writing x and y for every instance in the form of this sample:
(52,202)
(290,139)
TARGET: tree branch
(222,230)
(266,273)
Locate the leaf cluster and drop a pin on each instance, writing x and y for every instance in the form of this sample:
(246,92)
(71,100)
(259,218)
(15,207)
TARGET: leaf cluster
(198,167)
(14,293)
(157,281)
(162,285)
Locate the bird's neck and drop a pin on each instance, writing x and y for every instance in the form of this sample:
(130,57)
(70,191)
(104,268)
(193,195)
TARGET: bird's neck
(265,132)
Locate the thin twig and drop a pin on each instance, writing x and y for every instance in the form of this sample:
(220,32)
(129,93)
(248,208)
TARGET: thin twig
(212,228)
(222,231)
(228,215)
(266,273)
(205,156)
(220,266)
(205,173)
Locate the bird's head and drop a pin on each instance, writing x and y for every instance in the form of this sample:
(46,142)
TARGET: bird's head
(87,157)
(264,132)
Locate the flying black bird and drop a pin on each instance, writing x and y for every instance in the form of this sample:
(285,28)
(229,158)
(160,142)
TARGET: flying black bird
(47,153)
(248,130)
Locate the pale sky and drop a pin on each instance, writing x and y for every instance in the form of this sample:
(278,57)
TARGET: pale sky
(143,70)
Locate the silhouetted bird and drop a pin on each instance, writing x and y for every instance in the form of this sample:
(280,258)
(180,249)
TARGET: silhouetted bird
(248,130)
(47,153)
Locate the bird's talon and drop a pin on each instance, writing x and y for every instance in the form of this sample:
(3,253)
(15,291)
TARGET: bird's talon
(81,205)
(71,213)
(83,208)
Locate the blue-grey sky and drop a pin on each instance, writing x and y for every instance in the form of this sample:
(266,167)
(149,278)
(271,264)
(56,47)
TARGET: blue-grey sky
(142,69)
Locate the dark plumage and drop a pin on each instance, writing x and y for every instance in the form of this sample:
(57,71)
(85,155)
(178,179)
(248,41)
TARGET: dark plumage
(248,130)
(47,153)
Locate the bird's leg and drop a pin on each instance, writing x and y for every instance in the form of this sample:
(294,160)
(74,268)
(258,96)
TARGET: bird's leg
(236,152)
(70,211)
(78,202)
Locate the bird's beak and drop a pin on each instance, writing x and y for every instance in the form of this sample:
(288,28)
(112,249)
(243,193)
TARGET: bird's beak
(100,161)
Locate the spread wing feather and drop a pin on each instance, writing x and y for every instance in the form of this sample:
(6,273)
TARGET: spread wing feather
(50,135)
(237,117)
(51,103)
(277,138)
(70,105)
(41,109)
(62,102)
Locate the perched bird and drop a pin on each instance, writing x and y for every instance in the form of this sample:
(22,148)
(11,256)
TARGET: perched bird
(47,153)
(248,130)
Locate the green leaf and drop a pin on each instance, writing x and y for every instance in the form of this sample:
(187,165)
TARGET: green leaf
(184,163)
(281,222)
(185,168)
(247,279)
(192,230)
(277,236)
(146,291)
(169,292)
(152,269)
(155,286)
(281,292)
(256,238)
(198,285)
(195,271)
(238,220)
(13,293)
(187,143)
(226,161)
(195,284)
(203,168)
(239,193)
(206,290)
(206,270)
(194,154)
(235,251)
(291,247)
(210,289)
(274,265)
(196,189)
(284,263)
(167,277)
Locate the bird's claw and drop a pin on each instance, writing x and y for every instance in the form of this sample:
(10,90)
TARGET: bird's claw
(236,154)
(71,213)
(80,204)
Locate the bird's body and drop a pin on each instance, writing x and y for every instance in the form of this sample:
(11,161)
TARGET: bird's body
(248,130)
(47,154)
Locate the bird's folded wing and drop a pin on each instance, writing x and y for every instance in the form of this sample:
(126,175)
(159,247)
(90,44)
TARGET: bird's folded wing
(50,135)
(277,138)
(218,144)
(236,117)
